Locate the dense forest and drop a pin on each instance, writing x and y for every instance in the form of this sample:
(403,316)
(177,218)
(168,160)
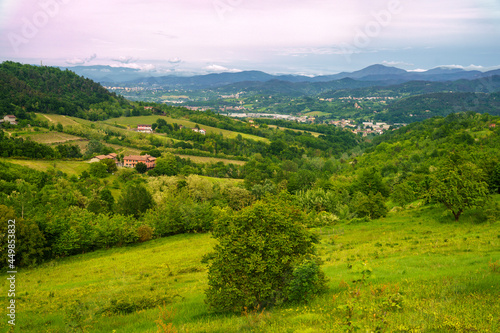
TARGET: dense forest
(27,88)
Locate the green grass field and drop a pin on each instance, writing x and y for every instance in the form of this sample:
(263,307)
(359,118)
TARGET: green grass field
(315,134)
(134,121)
(202,159)
(50,138)
(415,271)
(56,118)
(68,167)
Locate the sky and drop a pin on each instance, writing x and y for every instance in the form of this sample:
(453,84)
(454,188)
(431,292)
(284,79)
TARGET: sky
(309,37)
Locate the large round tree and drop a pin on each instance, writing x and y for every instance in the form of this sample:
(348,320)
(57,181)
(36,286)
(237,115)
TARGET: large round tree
(459,185)
(265,256)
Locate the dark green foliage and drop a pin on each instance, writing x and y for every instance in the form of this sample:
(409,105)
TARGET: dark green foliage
(110,165)
(95,147)
(370,205)
(179,213)
(98,170)
(69,151)
(49,89)
(29,240)
(308,281)
(135,200)
(404,193)
(141,167)
(370,181)
(20,147)
(259,249)
(494,180)
(166,165)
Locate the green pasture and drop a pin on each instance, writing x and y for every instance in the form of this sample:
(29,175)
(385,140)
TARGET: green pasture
(414,271)
(132,122)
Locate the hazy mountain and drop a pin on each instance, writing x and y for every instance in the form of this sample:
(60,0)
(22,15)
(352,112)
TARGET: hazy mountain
(379,74)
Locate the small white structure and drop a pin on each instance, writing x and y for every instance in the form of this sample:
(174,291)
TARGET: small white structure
(11,119)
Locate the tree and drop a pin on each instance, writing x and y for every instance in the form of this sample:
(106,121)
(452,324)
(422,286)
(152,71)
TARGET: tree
(371,205)
(141,167)
(135,200)
(98,170)
(260,251)
(370,181)
(166,165)
(110,165)
(459,185)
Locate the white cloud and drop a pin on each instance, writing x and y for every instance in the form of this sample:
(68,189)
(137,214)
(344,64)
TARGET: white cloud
(396,63)
(124,59)
(218,68)
(75,61)
(81,61)
(175,60)
(133,65)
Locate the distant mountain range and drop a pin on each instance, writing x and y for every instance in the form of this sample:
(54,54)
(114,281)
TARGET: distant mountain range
(373,75)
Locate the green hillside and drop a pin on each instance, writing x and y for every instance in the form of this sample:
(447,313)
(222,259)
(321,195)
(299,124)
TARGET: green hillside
(27,88)
(414,273)
(250,216)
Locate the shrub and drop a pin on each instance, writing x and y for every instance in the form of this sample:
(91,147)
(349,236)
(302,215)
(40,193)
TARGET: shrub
(307,281)
(259,259)
(145,233)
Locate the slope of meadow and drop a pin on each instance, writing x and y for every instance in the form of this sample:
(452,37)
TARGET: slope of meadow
(414,271)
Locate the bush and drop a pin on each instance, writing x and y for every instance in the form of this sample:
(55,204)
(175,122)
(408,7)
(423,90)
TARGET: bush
(145,233)
(371,206)
(260,258)
(307,281)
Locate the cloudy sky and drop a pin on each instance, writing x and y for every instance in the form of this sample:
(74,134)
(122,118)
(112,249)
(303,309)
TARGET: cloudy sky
(277,36)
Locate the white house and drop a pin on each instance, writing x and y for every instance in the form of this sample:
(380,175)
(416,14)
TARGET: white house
(9,119)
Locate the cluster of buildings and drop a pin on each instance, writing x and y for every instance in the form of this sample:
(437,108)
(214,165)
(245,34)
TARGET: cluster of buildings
(358,98)
(300,119)
(200,130)
(128,161)
(145,128)
(368,127)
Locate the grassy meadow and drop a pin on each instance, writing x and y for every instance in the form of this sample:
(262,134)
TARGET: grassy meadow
(68,167)
(315,134)
(415,271)
(132,122)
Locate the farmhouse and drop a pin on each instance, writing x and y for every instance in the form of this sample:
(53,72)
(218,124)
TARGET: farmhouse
(99,158)
(201,131)
(132,160)
(145,128)
(9,119)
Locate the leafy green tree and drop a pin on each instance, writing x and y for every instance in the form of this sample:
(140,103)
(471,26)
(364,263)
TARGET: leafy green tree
(29,239)
(459,185)
(135,200)
(259,249)
(141,167)
(110,165)
(403,194)
(370,181)
(98,170)
(166,165)
(371,205)
(495,179)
